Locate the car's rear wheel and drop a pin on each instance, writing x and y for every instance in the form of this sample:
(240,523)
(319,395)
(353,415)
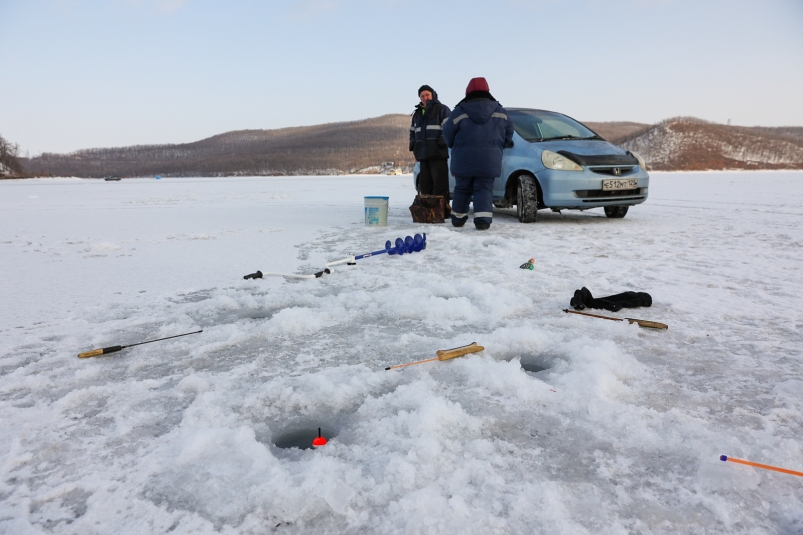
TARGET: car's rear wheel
(616,212)
(526,199)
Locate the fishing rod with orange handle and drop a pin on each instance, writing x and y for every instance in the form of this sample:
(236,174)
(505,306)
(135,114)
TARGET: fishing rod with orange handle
(113,349)
(641,323)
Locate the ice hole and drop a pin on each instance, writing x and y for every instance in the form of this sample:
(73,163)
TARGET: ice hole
(533,367)
(259,315)
(536,363)
(301,437)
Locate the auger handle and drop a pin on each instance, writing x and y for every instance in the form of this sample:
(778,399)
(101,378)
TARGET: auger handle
(257,275)
(349,260)
(368,255)
(96,352)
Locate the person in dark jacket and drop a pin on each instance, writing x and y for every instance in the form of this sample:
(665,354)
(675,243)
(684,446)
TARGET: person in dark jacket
(477,131)
(427,144)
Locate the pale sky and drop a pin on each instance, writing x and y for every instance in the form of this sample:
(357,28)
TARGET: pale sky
(89,73)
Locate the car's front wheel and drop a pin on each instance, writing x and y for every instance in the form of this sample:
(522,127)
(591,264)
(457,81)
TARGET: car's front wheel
(526,199)
(616,212)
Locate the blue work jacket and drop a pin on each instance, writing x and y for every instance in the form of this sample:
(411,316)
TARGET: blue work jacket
(477,131)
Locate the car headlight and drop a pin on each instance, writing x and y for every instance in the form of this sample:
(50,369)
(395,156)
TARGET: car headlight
(641,161)
(553,160)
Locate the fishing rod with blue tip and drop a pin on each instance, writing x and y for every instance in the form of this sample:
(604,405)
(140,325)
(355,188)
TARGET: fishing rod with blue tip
(113,349)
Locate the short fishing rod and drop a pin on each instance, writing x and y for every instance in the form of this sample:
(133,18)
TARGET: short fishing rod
(113,349)
(445,354)
(641,323)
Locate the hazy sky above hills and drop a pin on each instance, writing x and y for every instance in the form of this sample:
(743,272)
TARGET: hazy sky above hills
(83,73)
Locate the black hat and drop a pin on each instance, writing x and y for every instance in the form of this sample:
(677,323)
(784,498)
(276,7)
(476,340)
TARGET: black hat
(425,87)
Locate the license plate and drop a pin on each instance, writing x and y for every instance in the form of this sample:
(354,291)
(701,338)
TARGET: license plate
(619,183)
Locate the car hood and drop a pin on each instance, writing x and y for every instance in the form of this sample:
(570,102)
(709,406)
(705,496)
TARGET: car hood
(590,151)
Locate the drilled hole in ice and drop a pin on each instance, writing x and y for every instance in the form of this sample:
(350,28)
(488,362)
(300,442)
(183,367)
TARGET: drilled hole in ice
(532,367)
(259,315)
(536,363)
(302,437)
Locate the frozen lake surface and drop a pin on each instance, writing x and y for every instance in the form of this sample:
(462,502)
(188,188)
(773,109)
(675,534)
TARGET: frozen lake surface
(619,432)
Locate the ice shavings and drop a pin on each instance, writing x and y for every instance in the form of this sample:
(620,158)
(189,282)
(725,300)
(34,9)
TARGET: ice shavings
(619,430)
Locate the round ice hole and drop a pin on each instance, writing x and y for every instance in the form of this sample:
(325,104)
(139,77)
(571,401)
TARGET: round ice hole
(536,363)
(302,438)
(532,367)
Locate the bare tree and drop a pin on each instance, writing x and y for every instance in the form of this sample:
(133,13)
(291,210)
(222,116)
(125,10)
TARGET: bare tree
(8,156)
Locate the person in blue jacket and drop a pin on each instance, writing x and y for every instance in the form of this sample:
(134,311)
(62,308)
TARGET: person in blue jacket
(477,131)
(427,144)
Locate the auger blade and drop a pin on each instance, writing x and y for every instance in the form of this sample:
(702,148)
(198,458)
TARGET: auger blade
(418,243)
(408,244)
(399,246)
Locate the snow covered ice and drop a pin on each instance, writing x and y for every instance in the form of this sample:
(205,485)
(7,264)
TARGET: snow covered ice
(620,432)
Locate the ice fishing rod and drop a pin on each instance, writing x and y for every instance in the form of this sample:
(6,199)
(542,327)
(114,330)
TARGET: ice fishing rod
(407,245)
(641,323)
(445,354)
(759,465)
(112,349)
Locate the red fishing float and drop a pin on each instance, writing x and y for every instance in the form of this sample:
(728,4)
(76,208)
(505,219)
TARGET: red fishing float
(319,440)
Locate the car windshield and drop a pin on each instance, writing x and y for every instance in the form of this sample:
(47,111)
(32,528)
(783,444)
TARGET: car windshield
(537,125)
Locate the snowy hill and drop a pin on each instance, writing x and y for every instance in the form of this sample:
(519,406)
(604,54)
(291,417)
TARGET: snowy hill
(693,145)
(327,149)
(353,147)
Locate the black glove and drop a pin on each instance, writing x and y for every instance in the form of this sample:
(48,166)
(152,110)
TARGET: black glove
(412,144)
(509,144)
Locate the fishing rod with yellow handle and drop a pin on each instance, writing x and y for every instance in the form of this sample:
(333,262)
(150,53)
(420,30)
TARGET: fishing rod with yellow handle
(113,349)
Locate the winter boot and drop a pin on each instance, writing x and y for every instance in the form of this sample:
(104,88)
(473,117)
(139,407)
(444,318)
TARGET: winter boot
(459,221)
(482,225)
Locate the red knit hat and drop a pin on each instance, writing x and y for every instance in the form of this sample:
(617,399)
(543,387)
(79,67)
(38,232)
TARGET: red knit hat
(477,84)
